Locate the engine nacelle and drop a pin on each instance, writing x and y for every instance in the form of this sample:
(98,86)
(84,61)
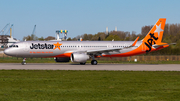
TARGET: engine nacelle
(79,57)
(62,59)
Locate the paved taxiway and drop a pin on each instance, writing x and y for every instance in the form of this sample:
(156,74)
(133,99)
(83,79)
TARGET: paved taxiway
(58,66)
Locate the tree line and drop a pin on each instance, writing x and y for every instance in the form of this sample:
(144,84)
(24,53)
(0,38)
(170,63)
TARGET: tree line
(171,35)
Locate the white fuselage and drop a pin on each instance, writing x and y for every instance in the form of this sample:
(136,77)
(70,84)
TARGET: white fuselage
(48,49)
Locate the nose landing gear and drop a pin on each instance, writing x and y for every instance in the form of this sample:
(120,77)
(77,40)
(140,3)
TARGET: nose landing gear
(82,63)
(24,61)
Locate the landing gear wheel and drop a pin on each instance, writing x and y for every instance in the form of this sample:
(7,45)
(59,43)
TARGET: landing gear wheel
(24,61)
(94,62)
(82,63)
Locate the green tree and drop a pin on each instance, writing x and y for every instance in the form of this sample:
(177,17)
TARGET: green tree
(31,37)
(69,39)
(99,36)
(41,39)
(113,37)
(49,38)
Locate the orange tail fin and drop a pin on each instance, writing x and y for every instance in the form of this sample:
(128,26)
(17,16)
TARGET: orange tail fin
(155,34)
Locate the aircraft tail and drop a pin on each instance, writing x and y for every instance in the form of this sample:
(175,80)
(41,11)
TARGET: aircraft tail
(155,34)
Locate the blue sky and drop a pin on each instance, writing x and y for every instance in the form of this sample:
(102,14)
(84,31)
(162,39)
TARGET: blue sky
(84,16)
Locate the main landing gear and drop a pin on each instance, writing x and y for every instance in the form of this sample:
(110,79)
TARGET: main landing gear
(82,63)
(94,62)
(24,61)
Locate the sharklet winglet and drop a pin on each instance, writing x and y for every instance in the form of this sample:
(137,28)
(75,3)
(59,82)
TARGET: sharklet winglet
(135,41)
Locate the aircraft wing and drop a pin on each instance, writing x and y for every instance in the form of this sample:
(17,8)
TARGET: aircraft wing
(100,51)
(104,50)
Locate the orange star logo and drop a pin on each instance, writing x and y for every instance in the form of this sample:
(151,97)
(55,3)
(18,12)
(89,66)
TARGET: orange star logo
(57,45)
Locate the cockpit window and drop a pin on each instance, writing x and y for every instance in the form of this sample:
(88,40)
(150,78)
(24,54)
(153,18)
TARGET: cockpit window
(13,46)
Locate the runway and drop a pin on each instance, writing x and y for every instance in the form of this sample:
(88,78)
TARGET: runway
(113,67)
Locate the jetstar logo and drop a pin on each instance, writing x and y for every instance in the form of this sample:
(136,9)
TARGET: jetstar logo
(45,46)
(150,41)
(41,46)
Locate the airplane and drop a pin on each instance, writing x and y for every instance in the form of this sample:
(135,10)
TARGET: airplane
(81,51)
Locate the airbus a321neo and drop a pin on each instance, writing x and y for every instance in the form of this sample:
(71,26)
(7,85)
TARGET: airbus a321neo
(81,51)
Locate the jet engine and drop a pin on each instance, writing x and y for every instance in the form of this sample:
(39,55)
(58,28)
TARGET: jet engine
(62,59)
(79,57)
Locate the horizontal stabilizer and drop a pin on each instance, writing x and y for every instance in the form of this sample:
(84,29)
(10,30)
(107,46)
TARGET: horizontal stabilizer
(162,44)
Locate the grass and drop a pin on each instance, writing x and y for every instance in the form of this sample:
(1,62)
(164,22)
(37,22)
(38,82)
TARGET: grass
(29,85)
(51,60)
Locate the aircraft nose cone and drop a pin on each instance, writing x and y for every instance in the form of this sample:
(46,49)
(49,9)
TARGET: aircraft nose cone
(7,52)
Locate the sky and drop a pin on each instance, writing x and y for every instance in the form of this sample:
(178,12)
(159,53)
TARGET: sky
(84,16)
